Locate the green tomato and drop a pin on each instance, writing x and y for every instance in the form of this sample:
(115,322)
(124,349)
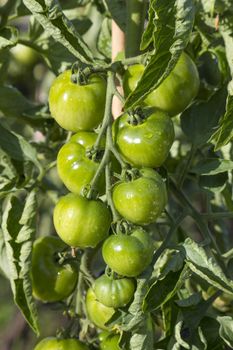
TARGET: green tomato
(141,201)
(109,341)
(98,313)
(24,55)
(52,343)
(114,292)
(77,107)
(146,144)
(128,255)
(51,281)
(75,168)
(175,93)
(81,222)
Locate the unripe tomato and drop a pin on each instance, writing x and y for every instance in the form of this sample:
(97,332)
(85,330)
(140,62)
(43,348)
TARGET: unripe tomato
(74,167)
(24,55)
(98,313)
(141,201)
(146,144)
(175,93)
(81,222)
(128,255)
(114,292)
(52,343)
(77,107)
(109,341)
(51,281)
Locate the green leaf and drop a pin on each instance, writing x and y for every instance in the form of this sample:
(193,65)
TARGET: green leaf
(49,14)
(142,339)
(199,121)
(8,37)
(18,227)
(117,10)
(104,39)
(21,108)
(226,329)
(17,147)
(147,37)
(212,166)
(169,43)
(224,133)
(214,183)
(163,290)
(206,267)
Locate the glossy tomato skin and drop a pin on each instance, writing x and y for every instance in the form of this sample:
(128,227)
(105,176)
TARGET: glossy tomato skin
(141,201)
(51,281)
(52,343)
(175,93)
(109,341)
(81,222)
(98,313)
(128,255)
(114,292)
(75,168)
(77,107)
(146,144)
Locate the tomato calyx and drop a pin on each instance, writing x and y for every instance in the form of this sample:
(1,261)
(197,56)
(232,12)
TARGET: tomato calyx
(66,256)
(129,175)
(121,227)
(136,116)
(95,154)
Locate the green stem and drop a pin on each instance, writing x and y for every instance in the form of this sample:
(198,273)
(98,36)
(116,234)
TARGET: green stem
(184,201)
(115,214)
(136,13)
(186,167)
(217,215)
(167,239)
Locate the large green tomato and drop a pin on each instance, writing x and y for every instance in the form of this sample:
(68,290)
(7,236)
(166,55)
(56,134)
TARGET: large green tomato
(175,93)
(146,144)
(75,168)
(77,107)
(128,255)
(51,281)
(52,343)
(81,222)
(114,292)
(109,341)
(141,201)
(98,313)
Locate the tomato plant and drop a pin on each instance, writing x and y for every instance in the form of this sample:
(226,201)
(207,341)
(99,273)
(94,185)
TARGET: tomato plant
(74,166)
(146,143)
(114,292)
(148,189)
(109,341)
(51,280)
(175,93)
(98,313)
(81,222)
(128,255)
(77,106)
(51,343)
(114,215)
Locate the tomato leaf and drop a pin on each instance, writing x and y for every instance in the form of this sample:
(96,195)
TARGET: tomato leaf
(206,267)
(224,134)
(169,40)
(212,166)
(142,339)
(199,121)
(51,17)
(18,227)
(226,329)
(17,147)
(117,9)
(8,37)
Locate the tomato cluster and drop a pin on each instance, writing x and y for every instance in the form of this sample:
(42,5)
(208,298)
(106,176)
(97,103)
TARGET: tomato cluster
(140,140)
